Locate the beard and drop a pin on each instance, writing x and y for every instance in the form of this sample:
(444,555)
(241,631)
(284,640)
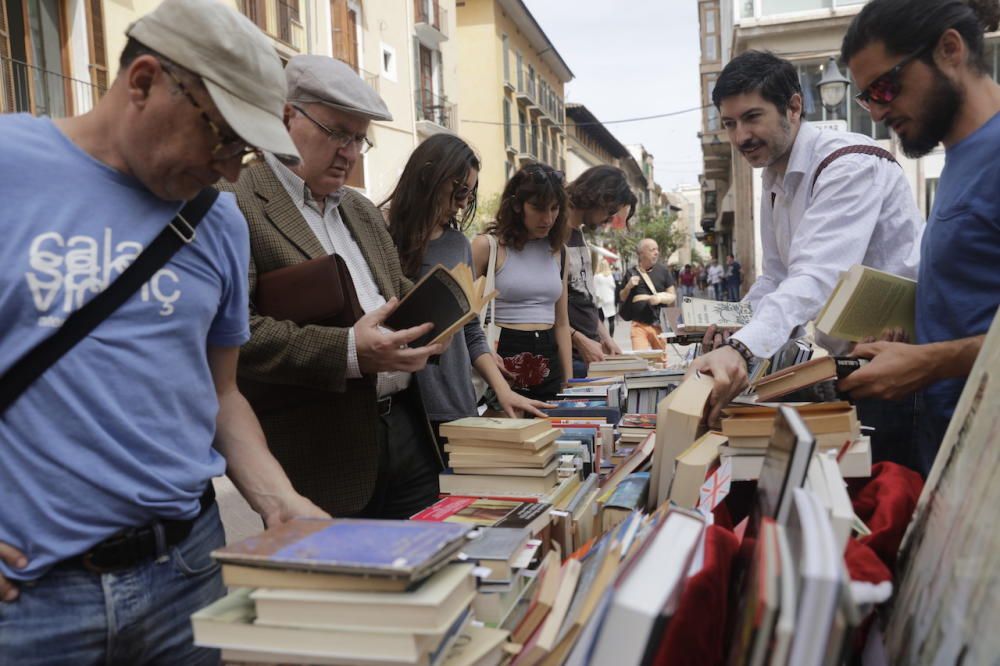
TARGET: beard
(940,108)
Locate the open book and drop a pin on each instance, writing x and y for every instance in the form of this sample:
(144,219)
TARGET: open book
(700,313)
(448,298)
(866,302)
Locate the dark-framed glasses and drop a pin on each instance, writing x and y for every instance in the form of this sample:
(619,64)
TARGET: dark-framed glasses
(339,137)
(886,87)
(227,146)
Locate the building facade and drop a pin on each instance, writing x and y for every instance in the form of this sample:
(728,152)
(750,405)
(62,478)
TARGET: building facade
(516,114)
(58,56)
(808,33)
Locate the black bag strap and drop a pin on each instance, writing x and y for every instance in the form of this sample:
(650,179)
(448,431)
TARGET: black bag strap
(178,233)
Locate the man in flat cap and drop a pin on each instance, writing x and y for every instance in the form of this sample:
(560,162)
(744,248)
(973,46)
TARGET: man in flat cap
(337,403)
(108,453)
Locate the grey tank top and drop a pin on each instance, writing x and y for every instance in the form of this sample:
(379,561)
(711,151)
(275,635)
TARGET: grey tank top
(529,284)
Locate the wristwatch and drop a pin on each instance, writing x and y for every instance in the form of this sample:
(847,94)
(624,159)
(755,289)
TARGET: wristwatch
(742,349)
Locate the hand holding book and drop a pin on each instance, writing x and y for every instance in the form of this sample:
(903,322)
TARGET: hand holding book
(383,351)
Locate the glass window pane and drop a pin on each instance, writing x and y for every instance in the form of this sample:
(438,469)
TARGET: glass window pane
(710,21)
(772,7)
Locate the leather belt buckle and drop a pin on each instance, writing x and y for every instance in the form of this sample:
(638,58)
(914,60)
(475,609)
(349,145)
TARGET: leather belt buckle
(385,406)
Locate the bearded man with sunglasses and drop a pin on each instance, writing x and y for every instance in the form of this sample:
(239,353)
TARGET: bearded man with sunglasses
(921,67)
(107,456)
(830,200)
(338,404)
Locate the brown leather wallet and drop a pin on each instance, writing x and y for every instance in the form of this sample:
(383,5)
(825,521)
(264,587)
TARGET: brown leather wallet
(318,291)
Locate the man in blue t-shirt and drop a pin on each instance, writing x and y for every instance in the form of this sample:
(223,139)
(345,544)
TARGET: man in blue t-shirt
(921,70)
(106,460)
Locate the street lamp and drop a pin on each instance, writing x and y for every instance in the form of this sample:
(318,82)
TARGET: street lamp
(832,86)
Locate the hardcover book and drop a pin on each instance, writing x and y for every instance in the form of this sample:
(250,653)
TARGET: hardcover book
(394,548)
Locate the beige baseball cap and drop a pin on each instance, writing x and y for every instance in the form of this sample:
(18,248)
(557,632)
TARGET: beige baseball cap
(235,60)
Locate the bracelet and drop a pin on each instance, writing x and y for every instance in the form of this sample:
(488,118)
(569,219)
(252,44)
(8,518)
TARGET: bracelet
(742,349)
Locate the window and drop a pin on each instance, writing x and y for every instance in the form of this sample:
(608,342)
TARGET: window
(387,63)
(32,63)
(858,120)
(519,59)
(345,32)
(522,128)
(930,188)
(506,57)
(712,123)
(710,32)
(284,21)
(508,135)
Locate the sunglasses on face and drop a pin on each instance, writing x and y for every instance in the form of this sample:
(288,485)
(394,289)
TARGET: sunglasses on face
(227,146)
(462,191)
(887,86)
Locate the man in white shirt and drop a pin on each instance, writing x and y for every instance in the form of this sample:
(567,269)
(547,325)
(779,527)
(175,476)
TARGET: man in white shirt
(830,200)
(715,273)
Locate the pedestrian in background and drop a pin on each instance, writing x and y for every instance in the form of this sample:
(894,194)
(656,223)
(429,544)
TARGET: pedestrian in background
(604,285)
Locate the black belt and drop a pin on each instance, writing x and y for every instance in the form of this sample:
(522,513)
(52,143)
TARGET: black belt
(135,545)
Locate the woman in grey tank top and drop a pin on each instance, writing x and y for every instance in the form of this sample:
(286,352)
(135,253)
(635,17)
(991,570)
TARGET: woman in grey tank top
(531,310)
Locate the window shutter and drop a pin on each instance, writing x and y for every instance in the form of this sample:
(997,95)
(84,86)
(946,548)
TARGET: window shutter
(6,66)
(98,47)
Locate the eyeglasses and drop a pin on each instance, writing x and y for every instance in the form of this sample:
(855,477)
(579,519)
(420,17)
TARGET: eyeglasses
(341,138)
(887,86)
(227,146)
(462,191)
(541,173)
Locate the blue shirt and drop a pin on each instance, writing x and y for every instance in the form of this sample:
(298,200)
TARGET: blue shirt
(958,285)
(118,433)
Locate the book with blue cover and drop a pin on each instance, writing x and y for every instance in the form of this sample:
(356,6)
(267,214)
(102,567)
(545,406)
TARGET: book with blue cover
(386,548)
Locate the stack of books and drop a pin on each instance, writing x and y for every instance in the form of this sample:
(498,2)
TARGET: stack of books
(499,457)
(834,425)
(489,512)
(645,390)
(617,366)
(634,428)
(342,591)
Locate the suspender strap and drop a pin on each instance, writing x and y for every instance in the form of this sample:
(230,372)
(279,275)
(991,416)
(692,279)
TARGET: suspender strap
(847,150)
(78,325)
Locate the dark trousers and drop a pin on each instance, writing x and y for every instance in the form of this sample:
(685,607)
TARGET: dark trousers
(894,437)
(535,357)
(408,471)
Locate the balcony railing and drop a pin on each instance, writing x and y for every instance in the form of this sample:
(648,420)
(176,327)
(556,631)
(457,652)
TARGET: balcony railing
(278,18)
(25,88)
(435,109)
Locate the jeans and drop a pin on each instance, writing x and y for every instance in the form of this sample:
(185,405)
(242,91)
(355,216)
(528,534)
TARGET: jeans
(134,616)
(687,290)
(718,290)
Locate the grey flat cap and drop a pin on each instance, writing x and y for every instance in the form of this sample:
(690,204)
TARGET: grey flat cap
(325,80)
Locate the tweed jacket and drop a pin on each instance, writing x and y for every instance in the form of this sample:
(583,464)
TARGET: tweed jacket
(320,425)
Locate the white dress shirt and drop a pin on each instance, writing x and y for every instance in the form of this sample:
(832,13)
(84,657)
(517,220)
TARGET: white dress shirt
(323,217)
(861,211)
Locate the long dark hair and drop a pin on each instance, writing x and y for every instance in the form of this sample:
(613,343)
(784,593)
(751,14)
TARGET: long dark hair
(422,196)
(540,185)
(906,26)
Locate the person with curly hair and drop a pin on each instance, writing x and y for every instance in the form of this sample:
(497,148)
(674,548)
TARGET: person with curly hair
(529,232)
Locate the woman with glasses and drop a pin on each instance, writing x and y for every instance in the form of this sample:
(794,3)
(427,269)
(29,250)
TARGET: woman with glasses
(434,200)
(531,312)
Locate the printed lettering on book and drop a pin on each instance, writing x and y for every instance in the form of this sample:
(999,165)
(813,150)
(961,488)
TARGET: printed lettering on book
(81,266)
